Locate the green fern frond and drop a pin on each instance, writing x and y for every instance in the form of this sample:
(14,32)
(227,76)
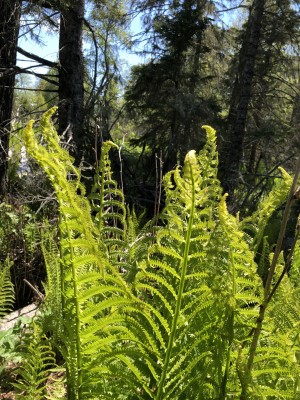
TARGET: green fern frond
(276,362)
(52,306)
(108,203)
(257,223)
(81,252)
(175,278)
(120,228)
(7,296)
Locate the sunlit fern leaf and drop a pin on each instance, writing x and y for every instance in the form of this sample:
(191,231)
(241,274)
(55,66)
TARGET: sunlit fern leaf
(108,205)
(208,160)
(88,281)
(139,236)
(52,306)
(280,340)
(276,363)
(257,222)
(120,229)
(238,293)
(188,295)
(275,366)
(174,329)
(7,296)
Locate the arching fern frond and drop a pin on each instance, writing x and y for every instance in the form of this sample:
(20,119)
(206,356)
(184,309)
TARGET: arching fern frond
(257,222)
(199,292)
(90,286)
(108,205)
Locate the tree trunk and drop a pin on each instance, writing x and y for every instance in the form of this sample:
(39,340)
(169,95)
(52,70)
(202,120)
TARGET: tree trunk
(71,71)
(232,150)
(10,11)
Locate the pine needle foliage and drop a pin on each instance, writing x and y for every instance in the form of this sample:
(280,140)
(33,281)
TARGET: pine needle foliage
(178,323)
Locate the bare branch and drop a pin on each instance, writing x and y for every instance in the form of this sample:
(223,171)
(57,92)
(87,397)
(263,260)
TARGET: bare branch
(34,57)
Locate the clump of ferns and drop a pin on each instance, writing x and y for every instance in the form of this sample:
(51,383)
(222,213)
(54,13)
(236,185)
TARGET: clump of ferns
(180,327)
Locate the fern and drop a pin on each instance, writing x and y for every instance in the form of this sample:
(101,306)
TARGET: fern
(109,207)
(276,363)
(7,297)
(186,293)
(38,361)
(119,227)
(91,288)
(178,324)
(257,222)
(53,303)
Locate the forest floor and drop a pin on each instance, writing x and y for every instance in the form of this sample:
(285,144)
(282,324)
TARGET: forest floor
(8,377)
(6,388)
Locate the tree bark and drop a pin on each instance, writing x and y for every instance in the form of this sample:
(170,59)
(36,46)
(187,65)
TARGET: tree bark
(231,152)
(71,71)
(10,12)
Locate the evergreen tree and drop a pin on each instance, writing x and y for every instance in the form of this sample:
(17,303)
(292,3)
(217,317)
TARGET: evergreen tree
(166,94)
(71,74)
(232,149)
(268,137)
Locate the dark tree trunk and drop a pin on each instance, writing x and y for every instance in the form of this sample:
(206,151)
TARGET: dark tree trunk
(232,150)
(10,11)
(71,70)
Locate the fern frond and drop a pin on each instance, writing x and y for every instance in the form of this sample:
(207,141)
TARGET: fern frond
(81,252)
(177,281)
(52,306)
(257,222)
(7,296)
(276,362)
(108,204)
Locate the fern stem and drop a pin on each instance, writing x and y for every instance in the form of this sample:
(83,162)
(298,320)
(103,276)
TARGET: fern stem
(160,394)
(101,192)
(76,389)
(230,332)
(62,277)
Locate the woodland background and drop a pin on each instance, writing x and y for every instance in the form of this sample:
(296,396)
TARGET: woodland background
(231,64)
